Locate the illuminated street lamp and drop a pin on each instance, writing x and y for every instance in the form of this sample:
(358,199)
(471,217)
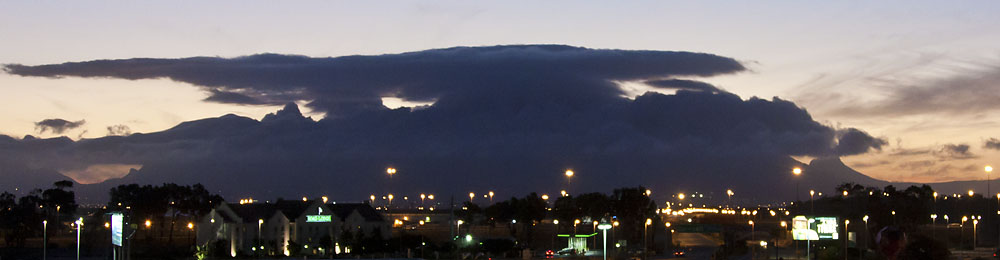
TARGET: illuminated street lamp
(797,172)
(563,192)
(645,236)
(752,236)
(729,193)
(604,228)
(390,199)
(545,196)
(971,193)
(648,192)
(391,171)
(422,197)
(569,177)
(45,238)
(472,196)
(680,196)
(491,196)
(79,229)
(811,204)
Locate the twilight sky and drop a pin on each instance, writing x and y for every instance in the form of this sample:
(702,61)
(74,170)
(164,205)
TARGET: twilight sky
(922,75)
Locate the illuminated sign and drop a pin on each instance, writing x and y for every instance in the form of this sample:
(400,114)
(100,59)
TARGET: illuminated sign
(318,218)
(815,228)
(116,229)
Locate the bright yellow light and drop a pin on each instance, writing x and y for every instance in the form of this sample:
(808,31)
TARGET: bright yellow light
(107,225)
(989,168)
(423,196)
(935,194)
(730,192)
(390,197)
(784,224)
(649,221)
(545,197)
(372,197)
(390,171)
(305,199)
(260,221)
(149,223)
(750,222)
(615,223)
(812,192)
(648,192)
(472,195)
(971,193)
(576,222)
(569,173)
(491,194)
(847,222)
(845,193)
(666,224)
(563,192)
(797,171)
(430,196)
(191,225)
(680,196)
(325,199)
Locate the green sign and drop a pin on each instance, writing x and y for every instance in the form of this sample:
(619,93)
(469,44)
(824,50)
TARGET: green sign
(815,228)
(318,218)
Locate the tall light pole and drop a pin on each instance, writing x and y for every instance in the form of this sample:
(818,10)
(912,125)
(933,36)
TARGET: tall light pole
(865,248)
(797,172)
(975,222)
(472,196)
(753,238)
(79,228)
(569,178)
(645,236)
(45,238)
(491,197)
(604,228)
(847,232)
(811,204)
(729,192)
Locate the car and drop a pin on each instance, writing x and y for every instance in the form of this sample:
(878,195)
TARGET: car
(567,251)
(549,253)
(678,253)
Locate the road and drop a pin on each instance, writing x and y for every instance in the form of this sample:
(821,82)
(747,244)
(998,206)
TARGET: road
(697,245)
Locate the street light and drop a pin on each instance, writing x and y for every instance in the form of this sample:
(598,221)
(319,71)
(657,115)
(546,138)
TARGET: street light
(645,236)
(422,197)
(811,207)
(45,238)
(259,223)
(752,237)
(79,228)
(797,172)
(491,196)
(472,196)
(604,228)
(729,193)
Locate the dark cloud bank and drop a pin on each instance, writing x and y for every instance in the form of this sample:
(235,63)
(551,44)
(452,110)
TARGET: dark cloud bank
(56,125)
(507,118)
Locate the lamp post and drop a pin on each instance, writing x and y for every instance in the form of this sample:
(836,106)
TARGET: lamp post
(45,238)
(752,238)
(865,248)
(79,228)
(604,228)
(569,178)
(645,236)
(847,232)
(811,205)
(729,192)
(556,223)
(260,222)
(975,222)
(491,197)
(797,172)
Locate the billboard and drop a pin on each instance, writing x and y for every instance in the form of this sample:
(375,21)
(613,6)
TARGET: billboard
(116,229)
(815,228)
